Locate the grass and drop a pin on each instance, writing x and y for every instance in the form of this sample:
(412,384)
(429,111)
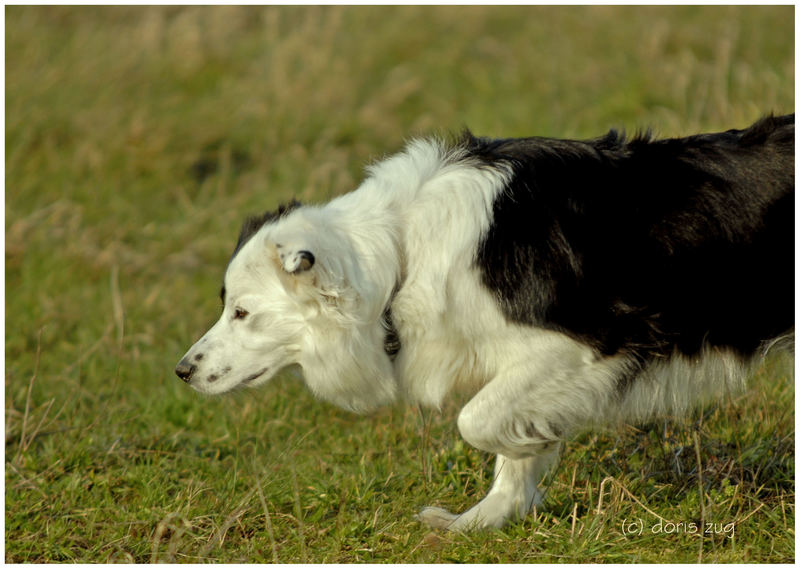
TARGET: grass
(136,141)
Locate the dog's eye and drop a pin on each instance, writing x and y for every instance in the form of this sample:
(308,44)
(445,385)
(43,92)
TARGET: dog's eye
(240,314)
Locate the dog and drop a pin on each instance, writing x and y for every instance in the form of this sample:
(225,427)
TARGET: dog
(563,284)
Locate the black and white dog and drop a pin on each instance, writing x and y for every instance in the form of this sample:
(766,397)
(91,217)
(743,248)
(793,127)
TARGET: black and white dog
(563,284)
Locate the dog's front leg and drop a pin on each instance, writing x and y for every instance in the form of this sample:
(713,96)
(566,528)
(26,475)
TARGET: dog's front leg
(513,494)
(522,416)
(496,420)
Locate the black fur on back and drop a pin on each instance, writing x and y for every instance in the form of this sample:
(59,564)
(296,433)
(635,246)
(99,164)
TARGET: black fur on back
(644,246)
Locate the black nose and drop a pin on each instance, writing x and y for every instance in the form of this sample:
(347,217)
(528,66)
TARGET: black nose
(185,370)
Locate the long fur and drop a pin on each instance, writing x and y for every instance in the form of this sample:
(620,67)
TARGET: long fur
(561,283)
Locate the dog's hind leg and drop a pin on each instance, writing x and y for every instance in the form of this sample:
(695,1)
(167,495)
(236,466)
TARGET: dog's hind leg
(513,494)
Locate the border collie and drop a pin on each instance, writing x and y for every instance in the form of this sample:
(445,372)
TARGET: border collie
(563,284)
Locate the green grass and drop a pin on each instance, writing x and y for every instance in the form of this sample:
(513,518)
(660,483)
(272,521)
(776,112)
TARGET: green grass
(136,141)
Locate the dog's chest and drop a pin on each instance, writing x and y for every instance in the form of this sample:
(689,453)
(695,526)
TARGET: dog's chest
(450,336)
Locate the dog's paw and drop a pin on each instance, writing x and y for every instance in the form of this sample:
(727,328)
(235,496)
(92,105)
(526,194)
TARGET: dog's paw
(436,517)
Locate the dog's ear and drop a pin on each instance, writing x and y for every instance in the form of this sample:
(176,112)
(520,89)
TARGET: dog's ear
(293,247)
(304,268)
(294,260)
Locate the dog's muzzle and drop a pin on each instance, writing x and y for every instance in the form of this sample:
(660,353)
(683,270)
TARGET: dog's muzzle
(185,370)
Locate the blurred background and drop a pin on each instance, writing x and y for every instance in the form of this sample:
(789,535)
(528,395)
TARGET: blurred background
(138,138)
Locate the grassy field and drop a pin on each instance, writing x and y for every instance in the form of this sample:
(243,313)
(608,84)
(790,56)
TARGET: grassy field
(136,141)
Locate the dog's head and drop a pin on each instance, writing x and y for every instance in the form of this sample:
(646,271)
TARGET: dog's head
(291,296)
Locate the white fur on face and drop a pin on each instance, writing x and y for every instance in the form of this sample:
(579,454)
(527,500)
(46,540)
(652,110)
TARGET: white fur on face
(295,298)
(259,331)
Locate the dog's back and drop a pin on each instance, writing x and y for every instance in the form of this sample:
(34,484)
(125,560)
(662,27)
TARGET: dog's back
(648,246)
